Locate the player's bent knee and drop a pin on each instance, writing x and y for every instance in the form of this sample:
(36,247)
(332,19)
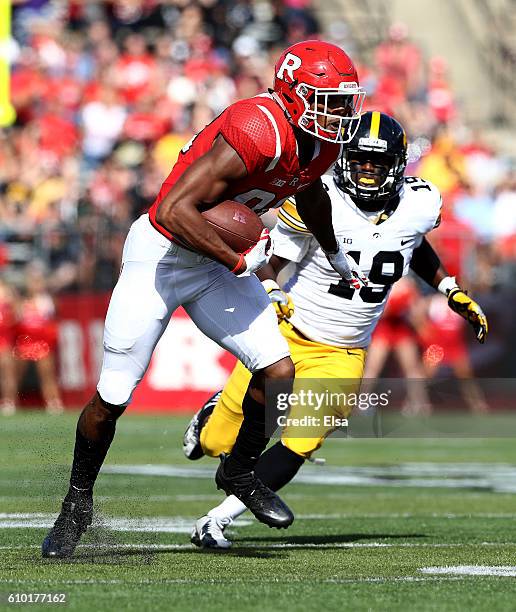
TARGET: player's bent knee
(220,431)
(304,447)
(116,387)
(284,368)
(214,448)
(214,445)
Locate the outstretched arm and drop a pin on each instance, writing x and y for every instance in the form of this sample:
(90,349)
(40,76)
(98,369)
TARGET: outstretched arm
(314,207)
(427,265)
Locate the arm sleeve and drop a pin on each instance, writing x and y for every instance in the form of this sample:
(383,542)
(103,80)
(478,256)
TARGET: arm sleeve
(425,262)
(291,237)
(249,131)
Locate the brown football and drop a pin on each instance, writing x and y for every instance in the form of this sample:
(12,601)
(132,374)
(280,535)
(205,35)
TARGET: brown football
(237,225)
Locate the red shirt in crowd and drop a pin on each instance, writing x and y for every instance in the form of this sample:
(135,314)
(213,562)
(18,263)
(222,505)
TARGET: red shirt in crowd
(57,135)
(134,74)
(36,332)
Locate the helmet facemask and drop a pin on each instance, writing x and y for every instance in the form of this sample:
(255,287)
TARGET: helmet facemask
(371,178)
(329,112)
(372,167)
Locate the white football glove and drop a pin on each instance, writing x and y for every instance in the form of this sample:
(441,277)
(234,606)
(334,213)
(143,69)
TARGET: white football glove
(256,257)
(281,301)
(346,266)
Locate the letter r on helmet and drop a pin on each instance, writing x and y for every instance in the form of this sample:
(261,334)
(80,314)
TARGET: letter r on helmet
(290,63)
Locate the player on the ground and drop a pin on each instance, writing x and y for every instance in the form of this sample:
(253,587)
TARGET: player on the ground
(382,217)
(258,152)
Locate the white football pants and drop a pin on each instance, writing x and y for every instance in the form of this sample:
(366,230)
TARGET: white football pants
(158,276)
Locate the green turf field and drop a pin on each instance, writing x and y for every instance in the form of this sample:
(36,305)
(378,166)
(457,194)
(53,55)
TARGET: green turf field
(380,527)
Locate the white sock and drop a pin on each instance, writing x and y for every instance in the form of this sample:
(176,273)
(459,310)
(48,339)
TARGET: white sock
(230,508)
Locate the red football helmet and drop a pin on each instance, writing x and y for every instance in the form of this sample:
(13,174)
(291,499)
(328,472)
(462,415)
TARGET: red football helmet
(317,85)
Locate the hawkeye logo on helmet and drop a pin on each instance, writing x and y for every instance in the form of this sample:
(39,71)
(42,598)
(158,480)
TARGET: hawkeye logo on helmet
(290,63)
(372,144)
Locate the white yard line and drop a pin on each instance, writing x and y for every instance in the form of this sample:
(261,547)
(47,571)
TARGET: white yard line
(446,515)
(183,524)
(283,546)
(229,580)
(472,570)
(147,498)
(497,477)
(143,524)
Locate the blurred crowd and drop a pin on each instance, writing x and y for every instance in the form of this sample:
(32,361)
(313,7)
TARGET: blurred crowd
(107,92)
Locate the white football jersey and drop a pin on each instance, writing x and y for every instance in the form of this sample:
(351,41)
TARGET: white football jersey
(326,309)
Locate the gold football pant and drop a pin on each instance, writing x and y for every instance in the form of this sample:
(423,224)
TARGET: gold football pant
(313,361)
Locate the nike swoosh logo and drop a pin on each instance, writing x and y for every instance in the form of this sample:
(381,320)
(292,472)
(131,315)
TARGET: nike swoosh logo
(403,242)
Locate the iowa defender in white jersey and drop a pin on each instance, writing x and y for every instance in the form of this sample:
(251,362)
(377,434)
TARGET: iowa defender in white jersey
(380,217)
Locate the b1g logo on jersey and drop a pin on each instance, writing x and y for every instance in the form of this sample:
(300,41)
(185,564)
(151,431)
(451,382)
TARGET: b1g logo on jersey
(289,64)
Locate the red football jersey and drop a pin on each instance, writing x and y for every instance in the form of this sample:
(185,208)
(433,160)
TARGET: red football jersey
(261,134)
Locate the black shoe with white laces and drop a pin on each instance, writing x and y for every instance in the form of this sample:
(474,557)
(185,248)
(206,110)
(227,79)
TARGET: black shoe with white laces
(192,439)
(208,532)
(73,520)
(267,506)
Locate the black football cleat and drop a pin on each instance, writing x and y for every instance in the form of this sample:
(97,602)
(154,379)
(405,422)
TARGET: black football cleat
(267,506)
(73,520)
(192,439)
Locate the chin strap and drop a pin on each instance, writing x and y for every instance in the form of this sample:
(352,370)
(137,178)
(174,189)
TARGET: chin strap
(279,101)
(383,214)
(391,206)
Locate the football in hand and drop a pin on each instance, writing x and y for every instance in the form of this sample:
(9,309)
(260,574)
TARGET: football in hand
(238,226)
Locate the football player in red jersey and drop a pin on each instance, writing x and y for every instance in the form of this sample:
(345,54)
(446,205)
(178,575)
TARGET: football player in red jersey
(258,151)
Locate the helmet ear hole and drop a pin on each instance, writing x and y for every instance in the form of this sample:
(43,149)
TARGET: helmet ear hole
(293,109)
